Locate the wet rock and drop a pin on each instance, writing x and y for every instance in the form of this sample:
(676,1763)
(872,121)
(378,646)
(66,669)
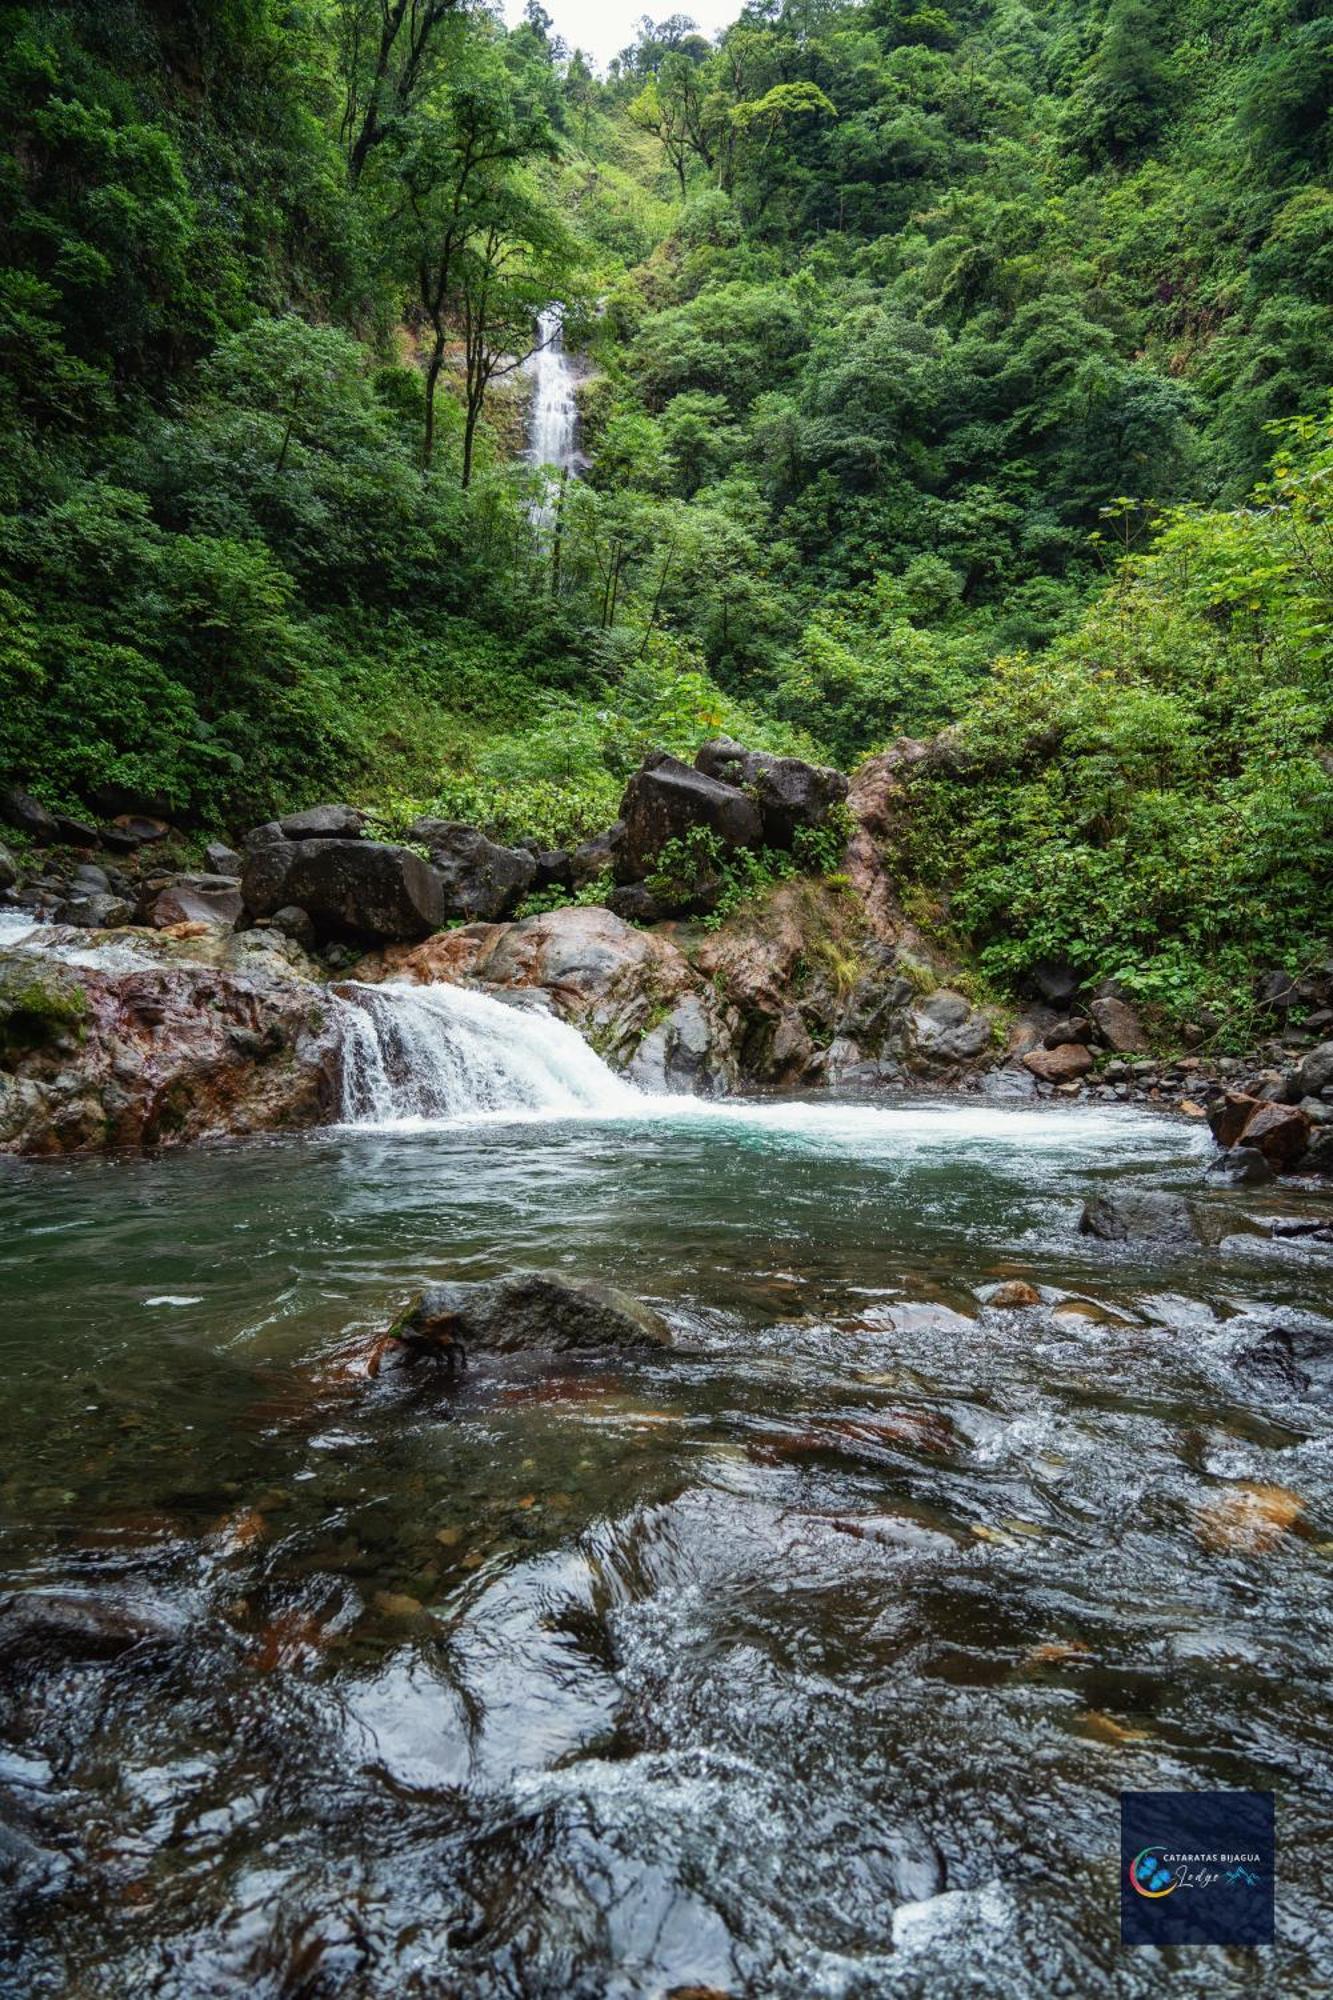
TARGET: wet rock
(296,924)
(665,800)
(95,910)
(9,869)
(158,1054)
(329,822)
(1315,1072)
(1014,1295)
(683,1053)
(1318,1158)
(1281,1132)
(1008,1083)
(790,794)
(357,889)
(1119,1026)
(534,1312)
(1270,1364)
(1061,1065)
(1065,1031)
(219,859)
(20,809)
(946,1030)
(79,1625)
(480,881)
(1229,1115)
(1138,1214)
(1243,1166)
(197,899)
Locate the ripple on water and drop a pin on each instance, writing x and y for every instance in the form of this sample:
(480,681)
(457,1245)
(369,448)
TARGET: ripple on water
(809,1660)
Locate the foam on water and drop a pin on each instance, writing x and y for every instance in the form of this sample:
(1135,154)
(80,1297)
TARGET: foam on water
(421,1058)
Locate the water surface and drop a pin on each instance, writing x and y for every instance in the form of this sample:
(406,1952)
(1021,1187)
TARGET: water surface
(809,1660)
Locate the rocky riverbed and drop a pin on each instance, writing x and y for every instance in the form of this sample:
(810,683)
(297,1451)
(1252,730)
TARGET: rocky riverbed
(142,1004)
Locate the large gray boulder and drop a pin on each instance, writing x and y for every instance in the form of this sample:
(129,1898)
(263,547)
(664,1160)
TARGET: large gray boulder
(480,881)
(197,899)
(1129,1214)
(330,822)
(665,800)
(530,1312)
(790,794)
(1316,1071)
(355,889)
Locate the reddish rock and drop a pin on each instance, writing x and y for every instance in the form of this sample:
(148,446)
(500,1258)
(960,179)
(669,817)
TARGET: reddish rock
(1281,1132)
(168,1052)
(1060,1065)
(1013,1295)
(1228,1118)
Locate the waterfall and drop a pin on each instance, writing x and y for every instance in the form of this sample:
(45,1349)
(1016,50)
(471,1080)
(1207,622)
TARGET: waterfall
(554,421)
(440,1052)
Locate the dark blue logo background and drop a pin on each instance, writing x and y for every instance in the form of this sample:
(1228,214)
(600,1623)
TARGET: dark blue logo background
(1196,1867)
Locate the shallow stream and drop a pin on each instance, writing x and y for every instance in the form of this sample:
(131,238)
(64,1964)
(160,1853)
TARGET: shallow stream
(809,1660)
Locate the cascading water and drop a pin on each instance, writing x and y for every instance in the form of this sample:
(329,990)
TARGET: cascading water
(424,1053)
(554,421)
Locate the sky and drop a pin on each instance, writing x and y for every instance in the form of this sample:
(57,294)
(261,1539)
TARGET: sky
(602,28)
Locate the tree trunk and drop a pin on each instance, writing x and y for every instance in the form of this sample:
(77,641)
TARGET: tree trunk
(432,379)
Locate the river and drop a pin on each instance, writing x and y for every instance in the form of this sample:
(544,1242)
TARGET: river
(808,1660)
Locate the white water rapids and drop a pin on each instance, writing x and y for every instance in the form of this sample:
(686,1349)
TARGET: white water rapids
(417,1058)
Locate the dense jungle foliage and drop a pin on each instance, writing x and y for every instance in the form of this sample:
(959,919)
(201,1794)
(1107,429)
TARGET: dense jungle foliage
(941,354)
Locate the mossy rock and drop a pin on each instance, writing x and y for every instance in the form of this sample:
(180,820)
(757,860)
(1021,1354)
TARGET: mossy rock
(39,1004)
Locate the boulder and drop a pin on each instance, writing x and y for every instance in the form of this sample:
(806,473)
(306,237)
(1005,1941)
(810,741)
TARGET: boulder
(480,881)
(1130,1214)
(1281,1132)
(554,866)
(161,1053)
(20,809)
(354,889)
(945,1030)
(665,800)
(596,857)
(270,834)
(1067,1030)
(330,822)
(9,869)
(1119,1026)
(95,909)
(531,1312)
(220,859)
(682,1054)
(295,924)
(76,832)
(636,903)
(1319,1155)
(1060,1065)
(134,830)
(1315,1072)
(197,899)
(1228,1117)
(1013,1295)
(1241,1166)
(790,794)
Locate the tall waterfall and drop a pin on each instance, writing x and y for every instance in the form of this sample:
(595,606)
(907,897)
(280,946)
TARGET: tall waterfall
(554,423)
(435,1052)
